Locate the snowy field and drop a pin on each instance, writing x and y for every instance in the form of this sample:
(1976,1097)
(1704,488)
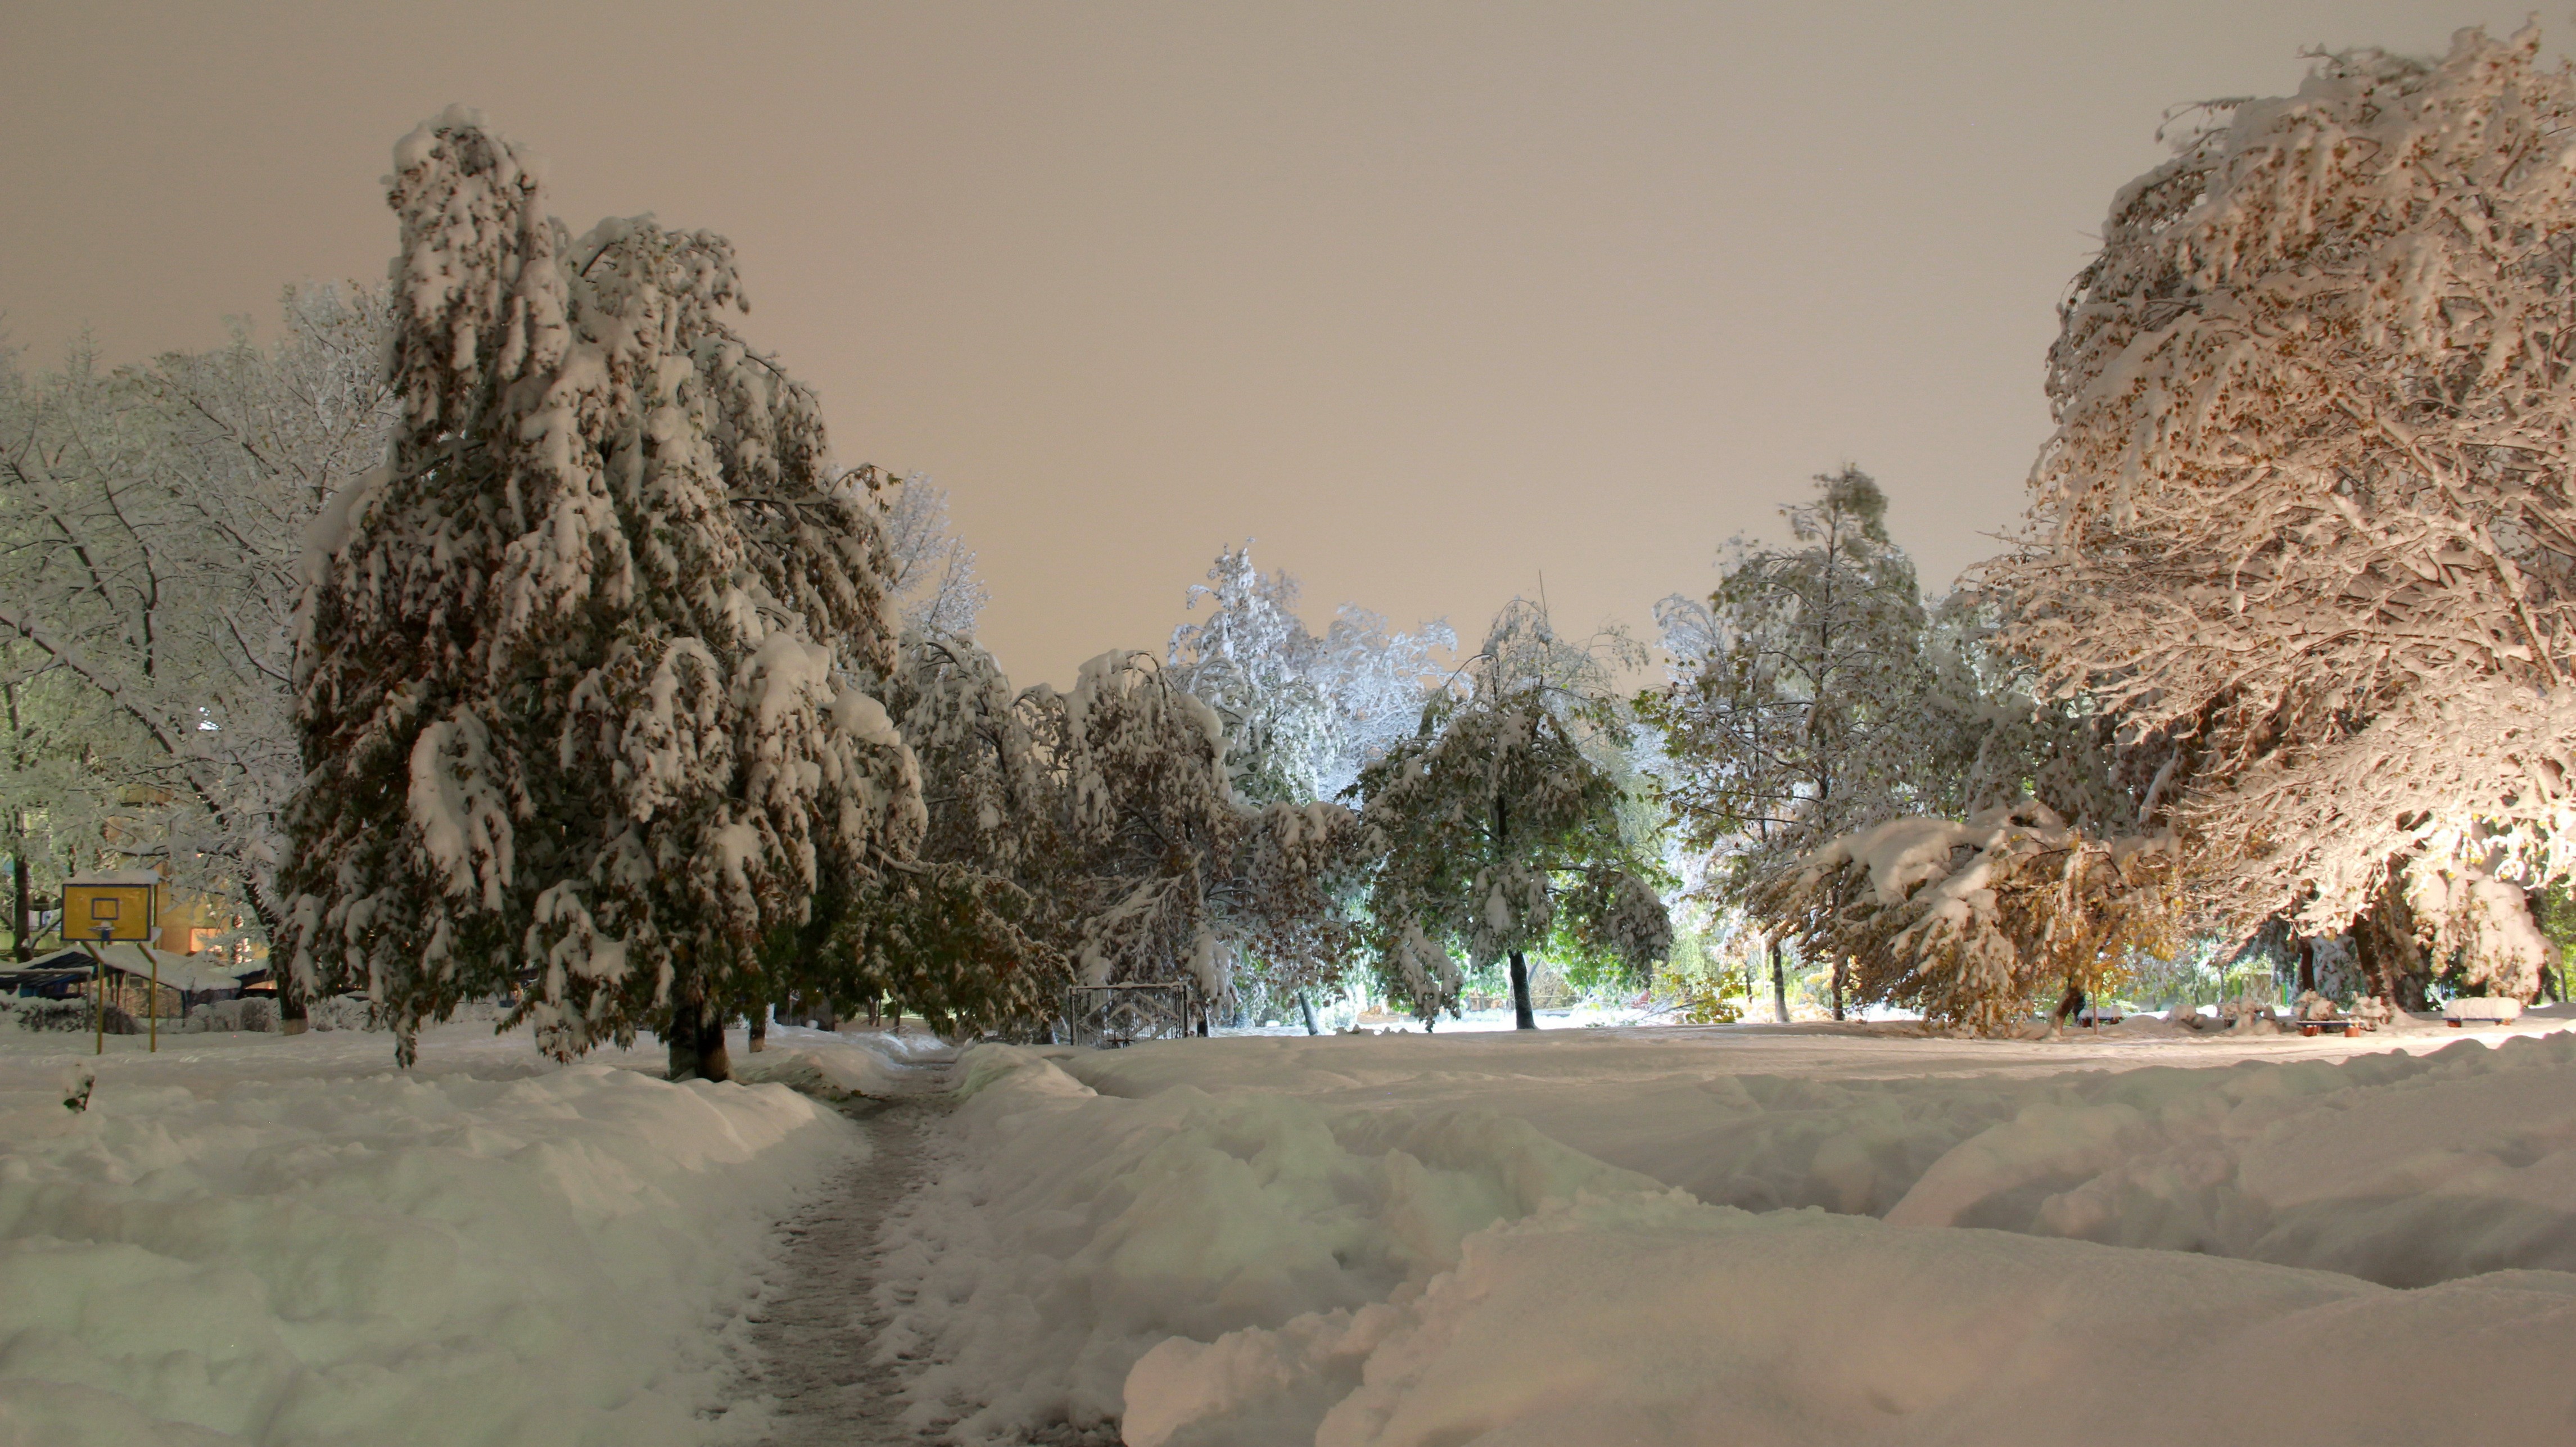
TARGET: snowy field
(1757,1235)
(283,1240)
(1653,1236)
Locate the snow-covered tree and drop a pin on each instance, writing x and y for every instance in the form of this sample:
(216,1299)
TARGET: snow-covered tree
(575,671)
(1804,701)
(1970,922)
(152,523)
(2306,524)
(1797,706)
(1099,830)
(932,576)
(1303,714)
(1502,826)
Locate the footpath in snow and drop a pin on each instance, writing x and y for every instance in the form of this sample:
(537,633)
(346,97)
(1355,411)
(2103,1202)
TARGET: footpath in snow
(284,1240)
(1678,1236)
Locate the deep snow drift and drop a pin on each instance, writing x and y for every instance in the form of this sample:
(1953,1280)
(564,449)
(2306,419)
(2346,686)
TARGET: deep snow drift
(1512,1240)
(276,1240)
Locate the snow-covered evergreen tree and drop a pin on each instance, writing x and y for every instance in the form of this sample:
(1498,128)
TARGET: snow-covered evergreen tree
(151,525)
(2306,523)
(574,676)
(1499,828)
(1797,707)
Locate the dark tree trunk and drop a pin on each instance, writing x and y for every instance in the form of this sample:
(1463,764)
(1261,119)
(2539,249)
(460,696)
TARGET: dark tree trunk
(22,914)
(713,1062)
(2071,1004)
(1522,1019)
(2383,944)
(696,1043)
(1779,981)
(1840,963)
(2307,964)
(759,1031)
(1306,1007)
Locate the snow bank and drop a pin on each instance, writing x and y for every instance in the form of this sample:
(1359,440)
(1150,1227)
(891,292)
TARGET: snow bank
(1420,1241)
(380,1259)
(1079,1230)
(872,1065)
(1659,1323)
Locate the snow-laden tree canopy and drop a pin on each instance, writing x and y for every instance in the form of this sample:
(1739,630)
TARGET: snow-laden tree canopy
(574,672)
(152,520)
(2305,523)
(1098,830)
(1801,699)
(1503,826)
(1302,714)
(932,578)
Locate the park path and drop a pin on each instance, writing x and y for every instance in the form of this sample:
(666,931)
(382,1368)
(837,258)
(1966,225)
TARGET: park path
(814,1329)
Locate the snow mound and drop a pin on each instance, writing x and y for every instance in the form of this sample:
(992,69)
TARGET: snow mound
(835,1066)
(1370,1243)
(387,1260)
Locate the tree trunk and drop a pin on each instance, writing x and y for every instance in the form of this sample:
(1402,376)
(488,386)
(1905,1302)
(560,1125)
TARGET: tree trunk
(22,914)
(1306,1007)
(1841,962)
(696,1042)
(2071,1004)
(1779,981)
(2307,965)
(2383,944)
(759,1031)
(1522,1019)
(713,1062)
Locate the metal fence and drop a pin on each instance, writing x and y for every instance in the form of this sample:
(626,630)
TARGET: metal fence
(1105,1017)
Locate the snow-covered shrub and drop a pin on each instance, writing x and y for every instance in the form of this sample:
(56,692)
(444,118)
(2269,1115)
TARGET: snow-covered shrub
(575,677)
(342,1012)
(1973,922)
(33,1014)
(2306,523)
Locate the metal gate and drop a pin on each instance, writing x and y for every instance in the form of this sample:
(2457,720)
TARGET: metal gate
(1105,1017)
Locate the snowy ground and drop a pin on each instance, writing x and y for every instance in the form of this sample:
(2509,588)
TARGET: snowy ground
(1667,1236)
(1653,1236)
(283,1240)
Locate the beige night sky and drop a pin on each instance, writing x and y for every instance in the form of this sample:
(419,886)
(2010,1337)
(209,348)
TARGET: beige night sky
(1432,300)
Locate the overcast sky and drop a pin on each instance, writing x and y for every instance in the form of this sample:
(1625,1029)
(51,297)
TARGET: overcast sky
(1435,301)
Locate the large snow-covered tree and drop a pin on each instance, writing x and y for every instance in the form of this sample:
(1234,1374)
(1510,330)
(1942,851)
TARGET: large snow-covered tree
(574,676)
(1503,826)
(2305,526)
(152,522)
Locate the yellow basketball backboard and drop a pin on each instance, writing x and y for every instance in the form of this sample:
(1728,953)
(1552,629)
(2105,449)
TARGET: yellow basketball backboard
(125,904)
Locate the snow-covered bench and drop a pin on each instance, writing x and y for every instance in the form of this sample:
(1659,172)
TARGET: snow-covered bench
(2481,1010)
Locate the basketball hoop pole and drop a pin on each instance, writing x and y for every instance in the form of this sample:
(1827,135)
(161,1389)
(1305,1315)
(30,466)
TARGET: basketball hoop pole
(98,1009)
(152,1001)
